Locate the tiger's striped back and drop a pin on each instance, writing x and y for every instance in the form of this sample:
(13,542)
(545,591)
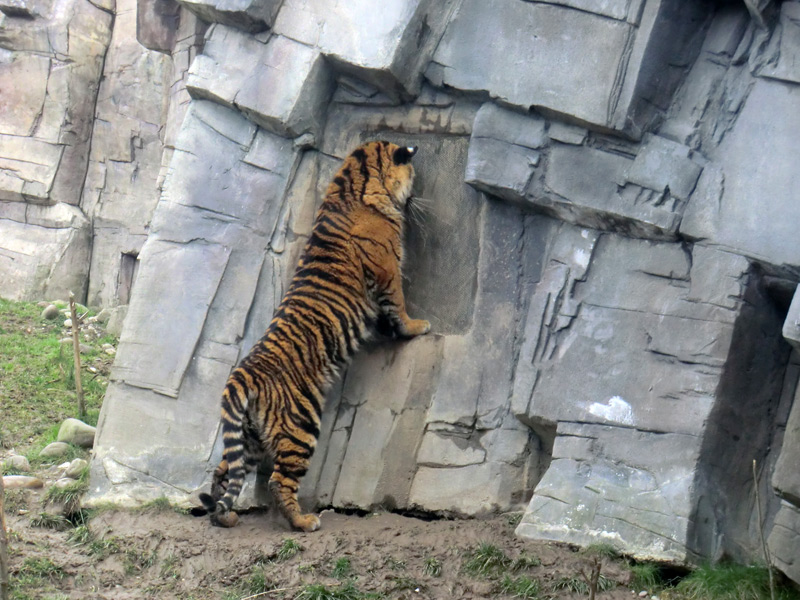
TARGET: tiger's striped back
(348,276)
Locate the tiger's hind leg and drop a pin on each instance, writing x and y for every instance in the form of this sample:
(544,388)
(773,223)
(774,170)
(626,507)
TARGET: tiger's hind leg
(284,483)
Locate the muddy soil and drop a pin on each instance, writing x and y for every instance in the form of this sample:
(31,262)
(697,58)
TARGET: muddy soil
(164,554)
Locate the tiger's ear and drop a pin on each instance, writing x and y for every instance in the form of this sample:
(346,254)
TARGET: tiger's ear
(403,155)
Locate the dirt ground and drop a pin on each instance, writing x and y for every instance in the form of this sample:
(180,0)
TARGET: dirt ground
(162,553)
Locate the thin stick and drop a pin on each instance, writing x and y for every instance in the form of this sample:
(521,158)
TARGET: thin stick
(76,347)
(761,533)
(4,585)
(267,593)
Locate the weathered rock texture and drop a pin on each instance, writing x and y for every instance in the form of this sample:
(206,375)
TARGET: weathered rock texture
(605,244)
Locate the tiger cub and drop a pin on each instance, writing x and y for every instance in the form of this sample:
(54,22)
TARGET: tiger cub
(348,279)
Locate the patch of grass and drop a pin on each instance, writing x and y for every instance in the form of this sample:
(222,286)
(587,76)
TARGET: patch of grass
(573,584)
(601,551)
(520,587)
(47,520)
(256,583)
(137,561)
(346,591)
(486,561)
(432,566)
(170,568)
(645,576)
(289,549)
(81,535)
(36,570)
(525,561)
(728,581)
(514,518)
(101,548)
(157,504)
(36,375)
(68,495)
(342,569)
(394,564)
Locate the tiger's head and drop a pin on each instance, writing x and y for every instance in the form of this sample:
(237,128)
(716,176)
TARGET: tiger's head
(388,170)
(398,173)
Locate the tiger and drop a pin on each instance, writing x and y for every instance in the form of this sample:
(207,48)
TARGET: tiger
(347,285)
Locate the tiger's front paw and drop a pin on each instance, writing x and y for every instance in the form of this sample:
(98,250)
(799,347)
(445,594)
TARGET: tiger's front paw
(307,522)
(415,327)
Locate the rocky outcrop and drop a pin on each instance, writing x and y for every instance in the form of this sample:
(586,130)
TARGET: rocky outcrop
(50,69)
(605,247)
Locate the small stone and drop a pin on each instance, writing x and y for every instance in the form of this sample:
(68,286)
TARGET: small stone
(85,349)
(16,482)
(68,323)
(63,482)
(50,312)
(54,449)
(18,463)
(43,304)
(643,594)
(103,316)
(110,351)
(77,432)
(75,468)
(107,346)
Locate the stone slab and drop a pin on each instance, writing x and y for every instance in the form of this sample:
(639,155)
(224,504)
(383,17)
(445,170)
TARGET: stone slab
(167,273)
(601,489)
(785,478)
(388,48)
(784,49)
(543,38)
(279,84)
(721,211)
(784,541)
(791,326)
(251,16)
(665,166)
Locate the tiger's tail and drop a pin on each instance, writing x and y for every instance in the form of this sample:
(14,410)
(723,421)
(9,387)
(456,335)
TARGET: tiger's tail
(232,467)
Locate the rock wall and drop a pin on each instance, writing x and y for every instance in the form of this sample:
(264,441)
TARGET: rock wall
(606,249)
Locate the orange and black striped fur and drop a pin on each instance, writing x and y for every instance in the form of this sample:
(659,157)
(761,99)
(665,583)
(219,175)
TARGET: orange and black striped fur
(348,279)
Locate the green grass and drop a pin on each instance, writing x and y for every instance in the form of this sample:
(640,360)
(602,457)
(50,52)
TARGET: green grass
(46,520)
(157,504)
(728,581)
(646,576)
(346,591)
(486,561)
(520,587)
(68,495)
(137,561)
(432,566)
(34,570)
(342,569)
(256,583)
(289,549)
(37,380)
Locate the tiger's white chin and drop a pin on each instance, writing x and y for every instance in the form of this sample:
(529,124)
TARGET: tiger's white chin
(403,192)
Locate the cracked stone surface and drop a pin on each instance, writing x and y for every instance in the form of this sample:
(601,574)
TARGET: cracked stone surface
(604,239)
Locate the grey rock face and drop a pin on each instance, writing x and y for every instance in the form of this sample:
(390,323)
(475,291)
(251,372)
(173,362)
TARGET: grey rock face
(231,72)
(594,70)
(247,15)
(603,235)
